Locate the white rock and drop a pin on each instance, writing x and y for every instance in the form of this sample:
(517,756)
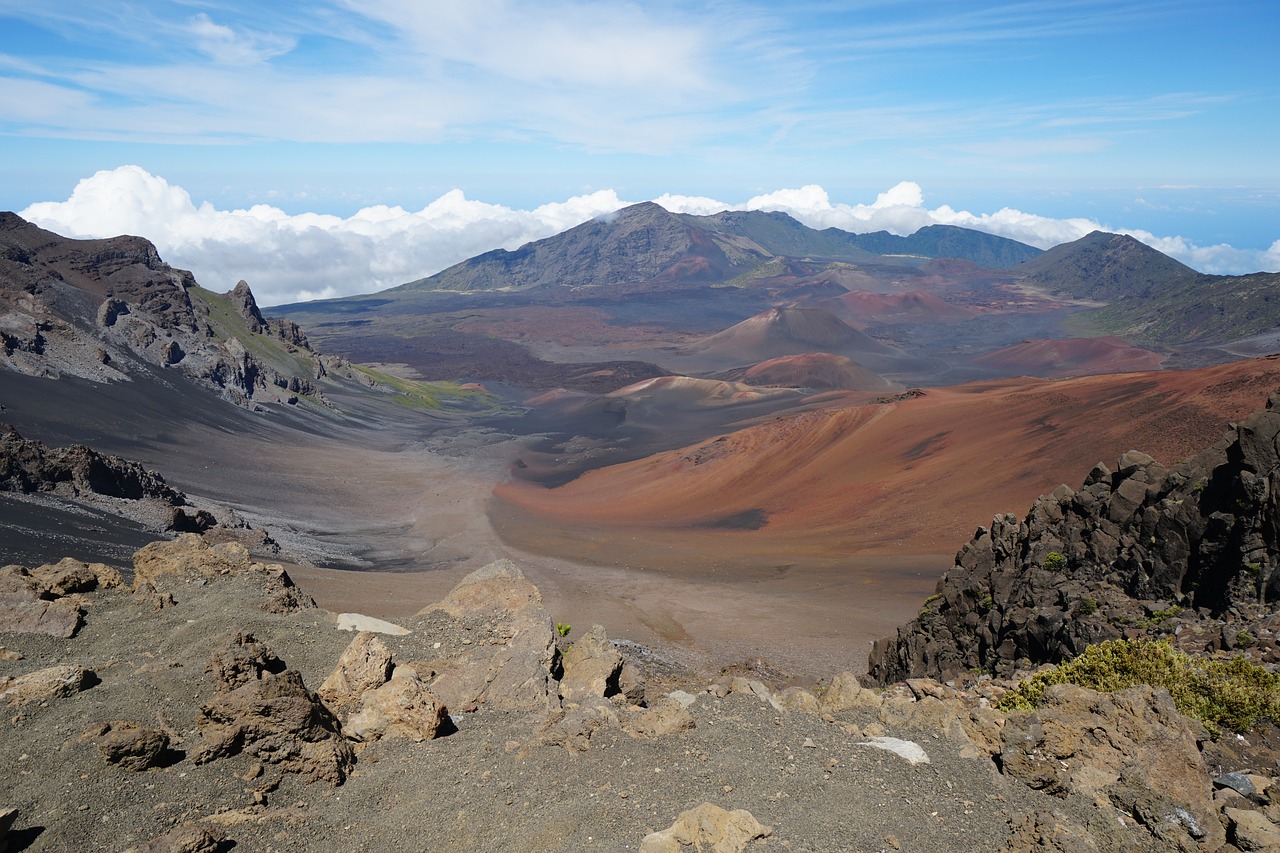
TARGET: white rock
(685,699)
(360,622)
(909,750)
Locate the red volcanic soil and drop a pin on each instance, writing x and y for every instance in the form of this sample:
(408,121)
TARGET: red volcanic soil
(1071,357)
(914,306)
(820,371)
(913,476)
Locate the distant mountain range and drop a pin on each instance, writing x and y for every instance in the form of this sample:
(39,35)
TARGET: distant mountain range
(647,243)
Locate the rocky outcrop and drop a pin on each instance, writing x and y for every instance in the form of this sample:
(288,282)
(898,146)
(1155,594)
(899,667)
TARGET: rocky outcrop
(32,466)
(166,567)
(101,309)
(1130,749)
(44,600)
(272,717)
(591,667)
(1137,545)
(511,668)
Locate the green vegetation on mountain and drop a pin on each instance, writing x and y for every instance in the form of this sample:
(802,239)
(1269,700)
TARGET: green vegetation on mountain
(1222,693)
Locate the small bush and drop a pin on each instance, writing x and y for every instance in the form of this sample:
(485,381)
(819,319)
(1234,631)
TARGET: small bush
(1155,620)
(562,629)
(1054,561)
(1222,693)
(1086,607)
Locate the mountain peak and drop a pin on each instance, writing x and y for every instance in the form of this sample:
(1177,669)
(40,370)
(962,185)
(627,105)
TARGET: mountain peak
(1105,266)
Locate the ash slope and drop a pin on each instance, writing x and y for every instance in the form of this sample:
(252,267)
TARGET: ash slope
(904,475)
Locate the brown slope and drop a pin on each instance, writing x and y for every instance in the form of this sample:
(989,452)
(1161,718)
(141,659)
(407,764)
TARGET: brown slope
(821,371)
(912,476)
(1071,357)
(787,331)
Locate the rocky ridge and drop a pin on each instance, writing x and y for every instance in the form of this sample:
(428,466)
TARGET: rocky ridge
(1189,551)
(180,716)
(104,309)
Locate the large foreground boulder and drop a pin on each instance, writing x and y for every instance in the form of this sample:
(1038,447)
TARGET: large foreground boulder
(1130,749)
(272,717)
(508,665)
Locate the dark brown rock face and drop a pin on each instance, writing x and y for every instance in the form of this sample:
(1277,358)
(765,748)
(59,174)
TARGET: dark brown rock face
(1089,565)
(31,466)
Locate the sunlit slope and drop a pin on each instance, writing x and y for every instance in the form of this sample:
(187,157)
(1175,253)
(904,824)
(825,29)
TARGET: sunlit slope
(911,476)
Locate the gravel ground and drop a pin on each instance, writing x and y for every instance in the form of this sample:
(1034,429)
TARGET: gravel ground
(487,786)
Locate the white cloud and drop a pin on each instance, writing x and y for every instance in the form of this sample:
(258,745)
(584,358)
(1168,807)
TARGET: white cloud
(223,44)
(294,257)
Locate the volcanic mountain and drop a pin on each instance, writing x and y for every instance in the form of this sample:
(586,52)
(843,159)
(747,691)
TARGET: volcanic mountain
(646,243)
(787,331)
(643,242)
(1105,267)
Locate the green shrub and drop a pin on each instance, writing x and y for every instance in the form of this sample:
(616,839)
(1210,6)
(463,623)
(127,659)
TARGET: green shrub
(1222,693)
(562,629)
(1158,618)
(1054,561)
(1086,607)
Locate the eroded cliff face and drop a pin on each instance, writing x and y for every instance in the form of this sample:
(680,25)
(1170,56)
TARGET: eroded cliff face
(101,309)
(1140,548)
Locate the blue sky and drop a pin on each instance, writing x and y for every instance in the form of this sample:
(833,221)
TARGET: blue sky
(1160,118)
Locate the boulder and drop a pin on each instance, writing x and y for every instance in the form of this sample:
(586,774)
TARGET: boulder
(708,827)
(1251,830)
(845,693)
(187,837)
(402,707)
(1131,748)
(364,665)
(130,746)
(23,611)
(591,667)
(574,729)
(70,575)
(55,682)
(667,716)
(510,668)
(277,720)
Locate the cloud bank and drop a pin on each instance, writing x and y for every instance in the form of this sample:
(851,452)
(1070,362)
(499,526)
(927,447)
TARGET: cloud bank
(299,257)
